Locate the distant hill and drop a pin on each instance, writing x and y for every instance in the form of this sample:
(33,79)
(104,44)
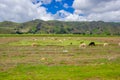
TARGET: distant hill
(60,27)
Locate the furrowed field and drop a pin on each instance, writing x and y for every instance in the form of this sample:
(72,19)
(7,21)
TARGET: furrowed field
(59,58)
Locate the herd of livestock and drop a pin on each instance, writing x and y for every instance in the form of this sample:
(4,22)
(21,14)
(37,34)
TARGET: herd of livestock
(81,45)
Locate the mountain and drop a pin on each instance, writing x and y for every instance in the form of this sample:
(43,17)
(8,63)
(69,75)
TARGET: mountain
(60,27)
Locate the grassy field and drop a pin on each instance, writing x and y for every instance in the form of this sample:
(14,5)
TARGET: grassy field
(59,58)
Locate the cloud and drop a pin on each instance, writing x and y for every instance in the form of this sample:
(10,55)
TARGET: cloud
(93,4)
(106,10)
(42,1)
(74,17)
(107,16)
(66,5)
(58,0)
(78,12)
(63,15)
(46,1)
(22,10)
(84,10)
(82,4)
(95,10)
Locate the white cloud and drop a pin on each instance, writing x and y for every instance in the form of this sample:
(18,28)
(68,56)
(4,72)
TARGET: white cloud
(106,10)
(107,16)
(63,15)
(66,5)
(85,10)
(46,1)
(82,4)
(92,10)
(75,17)
(22,10)
(42,1)
(78,12)
(58,0)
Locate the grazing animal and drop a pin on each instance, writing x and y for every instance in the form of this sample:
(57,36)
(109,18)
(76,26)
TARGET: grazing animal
(119,44)
(60,41)
(34,39)
(92,44)
(71,43)
(82,45)
(65,51)
(34,44)
(105,44)
(43,59)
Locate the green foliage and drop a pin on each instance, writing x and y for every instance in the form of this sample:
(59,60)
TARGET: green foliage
(42,72)
(52,59)
(60,27)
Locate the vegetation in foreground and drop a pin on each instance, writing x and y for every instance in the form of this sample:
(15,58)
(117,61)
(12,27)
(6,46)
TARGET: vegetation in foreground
(55,58)
(43,72)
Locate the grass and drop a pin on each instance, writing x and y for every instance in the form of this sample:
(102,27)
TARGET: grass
(52,59)
(55,35)
(43,72)
(58,41)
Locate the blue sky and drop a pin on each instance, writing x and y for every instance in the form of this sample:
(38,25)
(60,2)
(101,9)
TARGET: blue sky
(60,5)
(63,10)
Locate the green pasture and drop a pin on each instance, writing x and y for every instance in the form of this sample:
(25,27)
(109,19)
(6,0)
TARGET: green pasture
(55,58)
(42,72)
(53,41)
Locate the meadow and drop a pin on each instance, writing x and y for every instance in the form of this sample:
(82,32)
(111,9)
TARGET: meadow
(59,58)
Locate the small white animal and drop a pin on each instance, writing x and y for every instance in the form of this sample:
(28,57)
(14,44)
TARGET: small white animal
(34,39)
(43,58)
(83,45)
(105,44)
(34,44)
(119,44)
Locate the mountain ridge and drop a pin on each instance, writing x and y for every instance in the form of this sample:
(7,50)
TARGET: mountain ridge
(60,27)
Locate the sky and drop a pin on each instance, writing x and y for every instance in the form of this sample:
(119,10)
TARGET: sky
(62,10)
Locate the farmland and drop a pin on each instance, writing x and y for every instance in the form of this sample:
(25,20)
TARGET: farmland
(59,58)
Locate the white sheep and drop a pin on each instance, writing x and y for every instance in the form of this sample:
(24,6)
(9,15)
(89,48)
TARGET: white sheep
(119,44)
(82,45)
(34,44)
(60,41)
(43,58)
(105,44)
(34,39)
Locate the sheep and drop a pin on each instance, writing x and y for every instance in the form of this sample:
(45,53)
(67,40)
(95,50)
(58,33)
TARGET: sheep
(42,59)
(119,44)
(60,41)
(34,44)
(65,51)
(82,45)
(92,44)
(111,58)
(44,39)
(34,39)
(64,39)
(105,44)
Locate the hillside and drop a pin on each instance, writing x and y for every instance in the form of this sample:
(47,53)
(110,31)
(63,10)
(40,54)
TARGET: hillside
(60,27)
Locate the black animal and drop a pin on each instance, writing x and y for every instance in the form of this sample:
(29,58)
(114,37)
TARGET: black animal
(71,43)
(91,44)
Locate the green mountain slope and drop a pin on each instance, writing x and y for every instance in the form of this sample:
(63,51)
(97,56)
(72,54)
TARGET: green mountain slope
(8,27)
(60,27)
